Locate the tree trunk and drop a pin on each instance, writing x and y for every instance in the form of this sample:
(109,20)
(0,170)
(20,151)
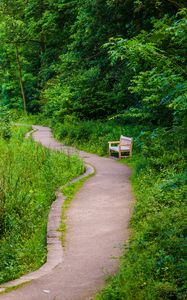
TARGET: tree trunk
(20,80)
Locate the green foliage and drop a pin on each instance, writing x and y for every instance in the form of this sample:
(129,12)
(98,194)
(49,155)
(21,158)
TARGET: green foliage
(92,136)
(5,119)
(65,69)
(88,86)
(122,61)
(153,265)
(29,174)
(155,65)
(37,30)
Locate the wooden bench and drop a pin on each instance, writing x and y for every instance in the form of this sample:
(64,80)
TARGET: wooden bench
(122,147)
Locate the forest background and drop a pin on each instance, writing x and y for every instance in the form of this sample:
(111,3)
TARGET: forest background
(94,70)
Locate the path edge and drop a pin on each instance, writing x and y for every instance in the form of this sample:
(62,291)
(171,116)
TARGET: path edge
(54,244)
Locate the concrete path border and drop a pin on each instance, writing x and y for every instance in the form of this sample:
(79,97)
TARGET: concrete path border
(97,227)
(54,244)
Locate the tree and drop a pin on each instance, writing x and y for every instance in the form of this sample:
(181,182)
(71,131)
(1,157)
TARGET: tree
(10,34)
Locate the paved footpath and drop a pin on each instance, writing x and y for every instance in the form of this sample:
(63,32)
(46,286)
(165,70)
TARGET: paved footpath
(97,228)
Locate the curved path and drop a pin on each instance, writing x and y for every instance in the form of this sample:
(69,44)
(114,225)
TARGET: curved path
(97,228)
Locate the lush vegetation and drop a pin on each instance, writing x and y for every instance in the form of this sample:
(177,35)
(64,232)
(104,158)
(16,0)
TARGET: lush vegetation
(92,136)
(154,262)
(95,59)
(29,176)
(97,69)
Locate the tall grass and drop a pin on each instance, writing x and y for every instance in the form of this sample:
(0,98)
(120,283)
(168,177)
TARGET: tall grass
(153,265)
(92,136)
(29,176)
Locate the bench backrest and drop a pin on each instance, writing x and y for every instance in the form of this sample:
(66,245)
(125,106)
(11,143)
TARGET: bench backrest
(125,141)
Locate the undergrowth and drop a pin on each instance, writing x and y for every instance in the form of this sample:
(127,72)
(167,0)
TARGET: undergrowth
(153,265)
(29,176)
(92,136)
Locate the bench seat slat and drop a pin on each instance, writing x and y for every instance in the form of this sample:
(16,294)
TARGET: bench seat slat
(122,148)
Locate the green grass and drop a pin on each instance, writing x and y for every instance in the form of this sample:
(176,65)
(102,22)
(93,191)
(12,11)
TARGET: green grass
(92,136)
(153,265)
(29,176)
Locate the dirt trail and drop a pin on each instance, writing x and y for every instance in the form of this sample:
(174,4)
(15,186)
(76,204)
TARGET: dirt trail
(97,228)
